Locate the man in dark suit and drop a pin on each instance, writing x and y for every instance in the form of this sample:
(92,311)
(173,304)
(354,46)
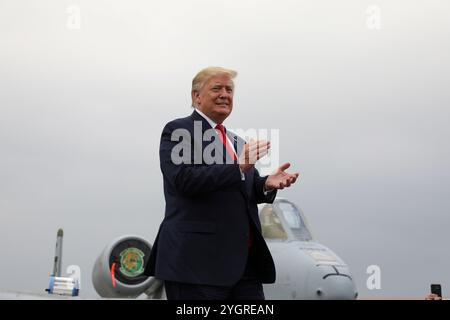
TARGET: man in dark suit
(209,245)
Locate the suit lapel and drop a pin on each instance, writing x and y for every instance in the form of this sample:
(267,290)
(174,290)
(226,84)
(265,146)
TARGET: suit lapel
(238,144)
(215,140)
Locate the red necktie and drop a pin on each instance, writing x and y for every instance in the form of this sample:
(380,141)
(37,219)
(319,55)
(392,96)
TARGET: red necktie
(223,137)
(221,132)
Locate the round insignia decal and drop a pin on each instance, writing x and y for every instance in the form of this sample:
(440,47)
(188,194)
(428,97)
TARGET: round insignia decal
(132,262)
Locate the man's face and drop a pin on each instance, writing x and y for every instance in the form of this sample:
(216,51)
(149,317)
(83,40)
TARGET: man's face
(215,99)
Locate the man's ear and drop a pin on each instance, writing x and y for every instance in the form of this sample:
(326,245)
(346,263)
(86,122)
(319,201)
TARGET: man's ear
(195,97)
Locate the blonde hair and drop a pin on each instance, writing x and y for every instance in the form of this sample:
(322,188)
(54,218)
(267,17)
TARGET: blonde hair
(204,75)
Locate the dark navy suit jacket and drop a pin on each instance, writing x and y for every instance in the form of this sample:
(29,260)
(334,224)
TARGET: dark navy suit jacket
(203,238)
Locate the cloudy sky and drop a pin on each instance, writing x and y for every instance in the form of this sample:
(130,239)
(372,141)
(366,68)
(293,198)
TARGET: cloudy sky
(359,91)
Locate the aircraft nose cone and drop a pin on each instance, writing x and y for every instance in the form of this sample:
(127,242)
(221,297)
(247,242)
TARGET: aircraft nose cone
(333,282)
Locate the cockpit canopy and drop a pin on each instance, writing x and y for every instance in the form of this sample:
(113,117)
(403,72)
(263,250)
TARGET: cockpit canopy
(283,221)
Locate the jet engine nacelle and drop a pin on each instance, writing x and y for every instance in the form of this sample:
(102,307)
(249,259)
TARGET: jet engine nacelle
(119,270)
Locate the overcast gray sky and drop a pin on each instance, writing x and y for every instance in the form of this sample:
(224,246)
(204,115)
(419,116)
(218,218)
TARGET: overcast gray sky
(362,112)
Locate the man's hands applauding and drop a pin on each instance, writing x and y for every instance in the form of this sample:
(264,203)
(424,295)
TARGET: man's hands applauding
(281,179)
(255,150)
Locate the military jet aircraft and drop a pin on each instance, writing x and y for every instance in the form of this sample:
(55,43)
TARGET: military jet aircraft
(305,268)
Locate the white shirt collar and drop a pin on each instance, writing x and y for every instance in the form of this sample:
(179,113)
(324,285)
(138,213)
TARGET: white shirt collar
(211,123)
